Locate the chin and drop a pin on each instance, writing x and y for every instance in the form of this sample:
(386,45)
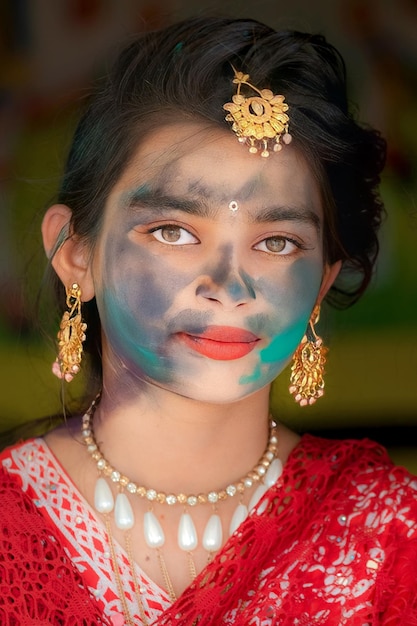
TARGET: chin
(217,391)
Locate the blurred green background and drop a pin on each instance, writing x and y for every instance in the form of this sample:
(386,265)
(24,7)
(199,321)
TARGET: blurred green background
(50,52)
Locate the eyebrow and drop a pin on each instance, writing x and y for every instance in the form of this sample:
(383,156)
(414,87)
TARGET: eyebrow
(152,199)
(288,214)
(145,197)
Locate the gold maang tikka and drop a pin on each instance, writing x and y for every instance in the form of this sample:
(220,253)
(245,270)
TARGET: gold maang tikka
(307,371)
(71,335)
(260,119)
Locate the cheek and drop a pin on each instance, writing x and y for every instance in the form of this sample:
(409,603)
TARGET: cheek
(135,295)
(291,301)
(294,295)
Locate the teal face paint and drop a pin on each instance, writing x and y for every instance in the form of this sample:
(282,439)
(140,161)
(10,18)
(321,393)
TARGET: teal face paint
(140,317)
(132,339)
(191,297)
(274,358)
(133,197)
(287,325)
(138,295)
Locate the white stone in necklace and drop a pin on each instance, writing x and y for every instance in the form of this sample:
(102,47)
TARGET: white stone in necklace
(264,474)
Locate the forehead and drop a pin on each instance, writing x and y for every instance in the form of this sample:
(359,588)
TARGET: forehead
(191,159)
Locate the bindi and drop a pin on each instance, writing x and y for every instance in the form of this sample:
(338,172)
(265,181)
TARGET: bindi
(233,206)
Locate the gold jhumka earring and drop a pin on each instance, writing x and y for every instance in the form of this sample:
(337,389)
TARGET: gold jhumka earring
(71,335)
(307,371)
(258,119)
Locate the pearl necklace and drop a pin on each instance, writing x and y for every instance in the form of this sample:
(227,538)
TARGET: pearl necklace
(263,475)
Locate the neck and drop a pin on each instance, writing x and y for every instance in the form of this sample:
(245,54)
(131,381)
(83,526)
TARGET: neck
(152,433)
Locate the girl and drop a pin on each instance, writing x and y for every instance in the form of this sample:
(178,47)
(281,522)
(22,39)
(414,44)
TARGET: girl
(216,192)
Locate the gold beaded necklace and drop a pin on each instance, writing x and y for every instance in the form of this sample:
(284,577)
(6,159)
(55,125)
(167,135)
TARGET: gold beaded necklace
(262,476)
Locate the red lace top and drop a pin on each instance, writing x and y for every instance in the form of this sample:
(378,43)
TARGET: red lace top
(334,542)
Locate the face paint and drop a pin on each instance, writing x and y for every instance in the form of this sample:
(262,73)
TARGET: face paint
(237,284)
(189,302)
(135,311)
(284,331)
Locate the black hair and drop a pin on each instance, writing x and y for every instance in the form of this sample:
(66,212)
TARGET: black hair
(185,71)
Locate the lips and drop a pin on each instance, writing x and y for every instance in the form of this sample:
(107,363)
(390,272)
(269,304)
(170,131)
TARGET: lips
(222,343)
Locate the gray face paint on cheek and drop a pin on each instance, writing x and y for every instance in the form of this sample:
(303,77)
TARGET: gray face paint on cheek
(136,294)
(131,326)
(291,305)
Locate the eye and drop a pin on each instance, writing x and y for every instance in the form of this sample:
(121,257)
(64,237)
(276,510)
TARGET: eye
(173,235)
(278,245)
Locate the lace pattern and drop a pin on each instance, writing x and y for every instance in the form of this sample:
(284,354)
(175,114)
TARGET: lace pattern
(38,583)
(83,534)
(333,543)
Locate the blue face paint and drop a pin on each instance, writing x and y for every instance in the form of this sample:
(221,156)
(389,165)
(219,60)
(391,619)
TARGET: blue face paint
(134,304)
(154,297)
(274,358)
(238,285)
(133,196)
(139,315)
(131,339)
(285,331)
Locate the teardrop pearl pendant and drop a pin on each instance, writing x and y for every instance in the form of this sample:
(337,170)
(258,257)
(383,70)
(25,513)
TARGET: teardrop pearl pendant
(213,534)
(154,535)
(123,512)
(187,538)
(187,534)
(103,497)
(263,476)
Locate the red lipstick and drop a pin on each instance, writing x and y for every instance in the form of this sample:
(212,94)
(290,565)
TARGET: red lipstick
(222,343)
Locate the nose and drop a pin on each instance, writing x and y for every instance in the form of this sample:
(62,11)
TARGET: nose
(226,283)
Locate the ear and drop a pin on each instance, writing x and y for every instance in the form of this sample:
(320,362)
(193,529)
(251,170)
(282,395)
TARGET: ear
(70,257)
(330,274)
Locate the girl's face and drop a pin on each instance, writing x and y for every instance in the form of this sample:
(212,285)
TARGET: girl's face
(208,265)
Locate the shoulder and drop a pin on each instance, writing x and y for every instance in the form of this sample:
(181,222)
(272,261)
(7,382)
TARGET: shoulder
(14,463)
(19,455)
(360,474)
(22,454)
(31,553)
(356,459)
(343,450)
(18,511)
